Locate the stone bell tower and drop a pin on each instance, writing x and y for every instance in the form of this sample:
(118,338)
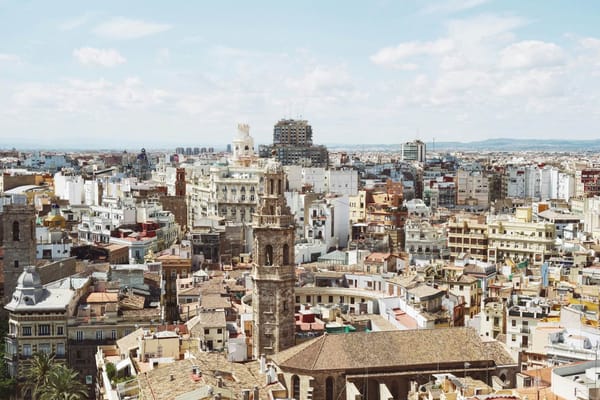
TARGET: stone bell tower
(18,239)
(273,267)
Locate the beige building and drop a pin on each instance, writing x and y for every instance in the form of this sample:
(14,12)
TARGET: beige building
(37,320)
(521,239)
(358,207)
(468,235)
(493,320)
(210,328)
(472,188)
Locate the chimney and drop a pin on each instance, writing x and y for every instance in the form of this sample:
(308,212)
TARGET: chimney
(262,363)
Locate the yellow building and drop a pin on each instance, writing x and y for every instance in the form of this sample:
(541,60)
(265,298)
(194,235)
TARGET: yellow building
(468,235)
(520,239)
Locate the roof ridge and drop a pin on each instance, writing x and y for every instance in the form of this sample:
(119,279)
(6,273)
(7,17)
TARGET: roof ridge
(322,343)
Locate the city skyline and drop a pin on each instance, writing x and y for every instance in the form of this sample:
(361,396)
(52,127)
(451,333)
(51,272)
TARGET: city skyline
(163,75)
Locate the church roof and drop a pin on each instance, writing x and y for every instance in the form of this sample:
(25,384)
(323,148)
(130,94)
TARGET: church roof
(389,349)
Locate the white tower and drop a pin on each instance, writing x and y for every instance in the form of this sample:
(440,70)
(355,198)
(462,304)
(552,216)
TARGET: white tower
(243,145)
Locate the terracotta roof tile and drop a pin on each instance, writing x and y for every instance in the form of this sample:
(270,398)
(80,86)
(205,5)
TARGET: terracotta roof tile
(411,347)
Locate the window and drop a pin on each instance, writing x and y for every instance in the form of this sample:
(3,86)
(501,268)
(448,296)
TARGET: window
(330,299)
(295,387)
(15,231)
(80,336)
(286,254)
(45,348)
(27,350)
(269,255)
(329,388)
(26,331)
(60,330)
(113,334)
(44,330)
(513,322)
(99,335)
(206,331)
(219,330)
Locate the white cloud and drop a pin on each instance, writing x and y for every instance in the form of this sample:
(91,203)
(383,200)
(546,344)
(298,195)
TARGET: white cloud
(391,56)
(125,28)
(484,27)
(531,54)
(9,58)
(450,6)
(98,57)
(591,50)
(74,23)
(163,55)
(327,82)
(533,83)
(87,96)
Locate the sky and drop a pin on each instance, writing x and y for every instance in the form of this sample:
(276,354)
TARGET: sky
(115,74)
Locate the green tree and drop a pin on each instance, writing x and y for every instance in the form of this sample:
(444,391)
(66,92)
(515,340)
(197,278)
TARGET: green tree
(7,384)
(63,384)
(38,372)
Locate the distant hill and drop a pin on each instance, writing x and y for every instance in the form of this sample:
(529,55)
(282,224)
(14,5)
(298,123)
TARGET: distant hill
(501,144)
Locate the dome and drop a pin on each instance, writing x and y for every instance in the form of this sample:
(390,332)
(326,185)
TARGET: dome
(29,278)
(274,166)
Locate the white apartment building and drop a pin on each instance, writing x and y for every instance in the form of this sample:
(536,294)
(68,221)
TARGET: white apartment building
(417,208)
(52,244)
(327,221)
(97,225)
(321,180)
(423,241)
(522,181)
(414,151)
(591,215)
(228,189)
(69,187)
(539,183)
(522,320)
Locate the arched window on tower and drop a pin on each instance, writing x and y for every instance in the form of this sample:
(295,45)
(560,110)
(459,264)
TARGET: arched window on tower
(286,254)
(15,231)
(329,388)
(269,255)
(295,387)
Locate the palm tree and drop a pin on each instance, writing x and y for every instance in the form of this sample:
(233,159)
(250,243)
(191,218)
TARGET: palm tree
(37,374)
(62,384)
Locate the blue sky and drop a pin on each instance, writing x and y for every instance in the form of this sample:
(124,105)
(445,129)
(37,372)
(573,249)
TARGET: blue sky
(117,74)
